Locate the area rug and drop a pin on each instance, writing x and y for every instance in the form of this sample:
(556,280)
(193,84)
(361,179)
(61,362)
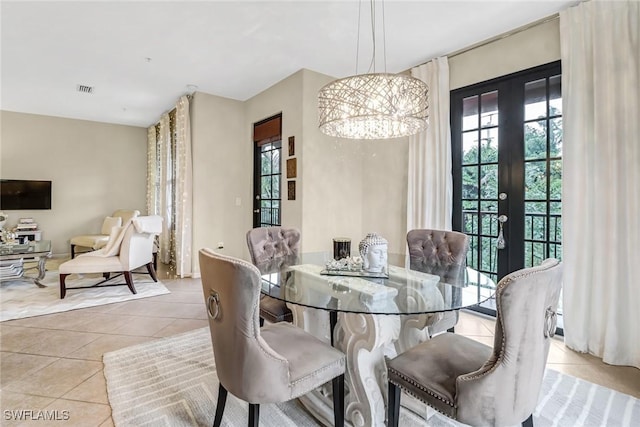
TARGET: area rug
(22,298)
(173,382)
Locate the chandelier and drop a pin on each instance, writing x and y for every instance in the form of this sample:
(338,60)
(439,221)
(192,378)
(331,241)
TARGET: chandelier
(375,105)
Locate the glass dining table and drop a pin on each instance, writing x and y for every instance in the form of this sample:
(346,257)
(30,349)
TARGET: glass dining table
(369,318)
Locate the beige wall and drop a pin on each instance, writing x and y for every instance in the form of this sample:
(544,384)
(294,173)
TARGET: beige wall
(222,172)
(95,168)
(535,46)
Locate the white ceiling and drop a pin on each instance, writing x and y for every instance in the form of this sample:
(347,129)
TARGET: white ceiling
(141,56)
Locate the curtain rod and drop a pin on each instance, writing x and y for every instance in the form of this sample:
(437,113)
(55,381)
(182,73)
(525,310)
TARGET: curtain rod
(500,37)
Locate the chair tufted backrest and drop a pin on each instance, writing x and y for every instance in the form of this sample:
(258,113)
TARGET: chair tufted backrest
(269,243)
(438,252)
(505,389)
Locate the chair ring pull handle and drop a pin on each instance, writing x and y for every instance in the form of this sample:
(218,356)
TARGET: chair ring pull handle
(550,319)
(213,305)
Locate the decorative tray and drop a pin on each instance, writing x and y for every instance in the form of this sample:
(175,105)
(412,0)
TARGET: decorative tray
(353,273)
(352,267)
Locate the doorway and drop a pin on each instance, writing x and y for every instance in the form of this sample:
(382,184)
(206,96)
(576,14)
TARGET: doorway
(267,142)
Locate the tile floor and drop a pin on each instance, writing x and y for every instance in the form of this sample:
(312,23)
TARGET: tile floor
(54,362)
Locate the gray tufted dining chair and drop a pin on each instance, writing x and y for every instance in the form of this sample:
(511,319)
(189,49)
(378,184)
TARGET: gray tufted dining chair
(442,253)
(475,384)
(276,363)
(268,244)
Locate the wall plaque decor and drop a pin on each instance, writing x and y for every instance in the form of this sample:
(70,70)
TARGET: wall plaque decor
(292,168)
(292,146)
(291,190)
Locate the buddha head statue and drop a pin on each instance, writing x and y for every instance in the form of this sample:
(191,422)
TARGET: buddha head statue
(373,250)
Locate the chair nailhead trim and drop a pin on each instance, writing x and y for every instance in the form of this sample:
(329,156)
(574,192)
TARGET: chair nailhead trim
(421,387)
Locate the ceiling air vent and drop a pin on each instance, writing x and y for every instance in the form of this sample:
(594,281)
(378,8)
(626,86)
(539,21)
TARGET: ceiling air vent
(84,89)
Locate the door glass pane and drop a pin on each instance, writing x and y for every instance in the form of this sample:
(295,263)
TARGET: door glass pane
(555,137)
(489,145)
(266,163)
(555,96)
(489,182)
(488,260)
(266,187)
(470,182)
(535,140)
(489,109)
(489,212)
(535,99)
(275,186)
(470,113)
(535,180)
(275,163)
(470,216)
(470,147)
(555,179)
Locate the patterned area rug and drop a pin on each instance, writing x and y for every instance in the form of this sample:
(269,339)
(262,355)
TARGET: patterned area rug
(22,298)
(173,382)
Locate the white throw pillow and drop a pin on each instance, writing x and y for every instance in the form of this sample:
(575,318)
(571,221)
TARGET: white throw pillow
(109,223)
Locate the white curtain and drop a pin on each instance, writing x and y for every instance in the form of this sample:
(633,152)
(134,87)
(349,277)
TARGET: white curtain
(152,171)
(430,182)
(169,186)
(165,188)
(600,44)
(183,190)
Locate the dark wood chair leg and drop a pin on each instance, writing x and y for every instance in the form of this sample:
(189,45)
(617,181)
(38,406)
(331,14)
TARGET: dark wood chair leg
(152,271)
(254,415)
(338,401)
(261,322)
(452,330)
(528,422)
(128,277)
(393,411)
(106,276)
(73,251)
(222,400)
(63,289)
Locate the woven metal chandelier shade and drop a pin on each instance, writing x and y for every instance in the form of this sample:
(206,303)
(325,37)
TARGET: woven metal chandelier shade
(373,106)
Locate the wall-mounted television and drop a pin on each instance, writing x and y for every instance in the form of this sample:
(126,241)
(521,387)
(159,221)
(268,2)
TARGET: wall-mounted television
(18,194)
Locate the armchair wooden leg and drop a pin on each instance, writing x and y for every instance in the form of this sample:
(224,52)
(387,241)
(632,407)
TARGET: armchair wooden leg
(528,422)
(152,272)
(393,411)
(338,401)
(222,400)
(261,322)
(63,289)
(73,251)
(128,277)
(106,276)
(254,415)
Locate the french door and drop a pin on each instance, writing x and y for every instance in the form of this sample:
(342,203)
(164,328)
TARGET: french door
(267,147)
(507,170)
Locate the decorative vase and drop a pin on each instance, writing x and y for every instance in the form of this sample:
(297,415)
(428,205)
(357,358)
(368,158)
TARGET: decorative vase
(373,251)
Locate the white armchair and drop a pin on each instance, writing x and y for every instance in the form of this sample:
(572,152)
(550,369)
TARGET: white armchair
(128,248)
(98,241)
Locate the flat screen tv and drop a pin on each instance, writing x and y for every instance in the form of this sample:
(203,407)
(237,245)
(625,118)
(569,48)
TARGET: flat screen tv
(24,195)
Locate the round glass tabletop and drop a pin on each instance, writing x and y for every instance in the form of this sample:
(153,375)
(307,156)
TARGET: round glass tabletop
(409,286)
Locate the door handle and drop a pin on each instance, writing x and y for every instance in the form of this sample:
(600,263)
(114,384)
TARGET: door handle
(501,243)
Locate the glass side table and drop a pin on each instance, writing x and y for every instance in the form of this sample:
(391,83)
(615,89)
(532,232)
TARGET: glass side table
(13,256)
